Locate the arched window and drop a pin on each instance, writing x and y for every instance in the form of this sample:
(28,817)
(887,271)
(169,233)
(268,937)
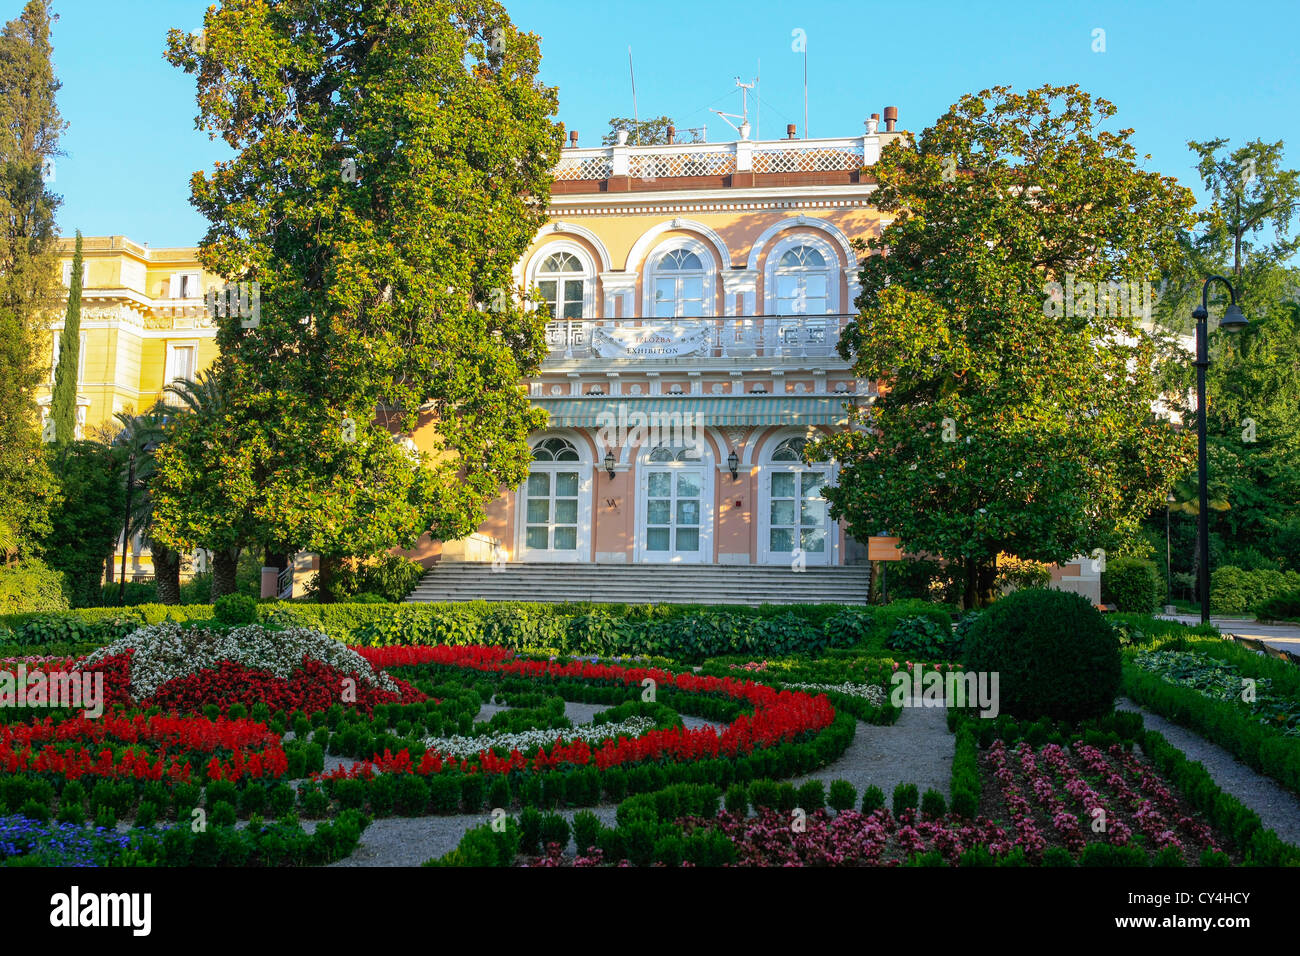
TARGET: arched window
(561,284)
(555,502)
(802,282)
(665,453)
(679,281)
(555,449)
(790,450)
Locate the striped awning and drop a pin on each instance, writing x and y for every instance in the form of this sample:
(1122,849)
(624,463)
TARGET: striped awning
(602,411)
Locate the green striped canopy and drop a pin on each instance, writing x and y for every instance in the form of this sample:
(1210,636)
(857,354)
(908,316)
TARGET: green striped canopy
(709,410)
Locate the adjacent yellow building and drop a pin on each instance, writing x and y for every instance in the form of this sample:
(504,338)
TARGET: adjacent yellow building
(143,325)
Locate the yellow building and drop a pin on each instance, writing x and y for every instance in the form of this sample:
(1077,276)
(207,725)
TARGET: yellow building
(143,325)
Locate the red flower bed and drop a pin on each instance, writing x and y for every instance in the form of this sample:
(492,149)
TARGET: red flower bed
(778,716)
(312,687)
(144,748)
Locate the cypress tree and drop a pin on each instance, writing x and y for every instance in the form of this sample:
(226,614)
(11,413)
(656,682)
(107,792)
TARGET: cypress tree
(63,406)
(29,137)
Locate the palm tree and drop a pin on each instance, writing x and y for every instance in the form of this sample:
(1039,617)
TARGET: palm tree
(140,435)
(205,395)
(8,541)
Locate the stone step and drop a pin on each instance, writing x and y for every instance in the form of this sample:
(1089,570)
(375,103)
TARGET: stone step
(643,584)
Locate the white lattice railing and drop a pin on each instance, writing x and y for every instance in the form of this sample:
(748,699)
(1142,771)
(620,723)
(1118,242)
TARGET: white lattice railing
(720,159)
(753,336)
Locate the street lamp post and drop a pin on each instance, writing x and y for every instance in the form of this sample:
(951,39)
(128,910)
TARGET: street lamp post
(126,529)
(1232,321)
(1169,554)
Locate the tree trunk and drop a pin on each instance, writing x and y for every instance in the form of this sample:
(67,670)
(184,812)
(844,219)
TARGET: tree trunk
(224,564)
(985,577)
(978,577)
(325,580)
(166,572)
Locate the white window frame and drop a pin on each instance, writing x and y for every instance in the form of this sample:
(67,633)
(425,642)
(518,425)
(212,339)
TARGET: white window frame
(707,469)
(709,305)
(81,357)
(67,274)
(831,555)
(194,288)
(584,467)
(771,268)
(173,348)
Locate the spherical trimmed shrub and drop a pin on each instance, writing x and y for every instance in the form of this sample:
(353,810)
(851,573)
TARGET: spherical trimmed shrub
(1054,654)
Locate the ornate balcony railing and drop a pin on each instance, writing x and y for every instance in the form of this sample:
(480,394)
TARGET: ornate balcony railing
(732,336)
(721,159)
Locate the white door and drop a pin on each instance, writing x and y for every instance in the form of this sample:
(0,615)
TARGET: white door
(674,520)
(798,517)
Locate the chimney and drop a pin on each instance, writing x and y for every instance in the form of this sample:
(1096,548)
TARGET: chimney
(891,117)
(672,133)
(573,139)
(790,130)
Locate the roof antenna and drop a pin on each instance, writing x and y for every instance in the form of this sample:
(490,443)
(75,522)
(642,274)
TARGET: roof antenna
(636,118)
(805,89)
(743,128)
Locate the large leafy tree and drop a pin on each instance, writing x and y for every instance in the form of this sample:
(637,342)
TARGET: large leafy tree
(63,403)
(646,132)
(1010,422)
(392,163)
(86,521)
(29,138)
(1246,231)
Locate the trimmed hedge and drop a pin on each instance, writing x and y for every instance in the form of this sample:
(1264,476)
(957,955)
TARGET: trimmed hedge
(1131,584)
(965,787)
(1234,591)
(1279,607)
(1254,744)
(31,585)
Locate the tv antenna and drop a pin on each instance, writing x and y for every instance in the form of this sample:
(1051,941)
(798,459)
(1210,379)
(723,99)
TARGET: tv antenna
(743,128)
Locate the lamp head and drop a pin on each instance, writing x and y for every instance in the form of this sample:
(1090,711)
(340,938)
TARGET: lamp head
(1233,320)
(609,463)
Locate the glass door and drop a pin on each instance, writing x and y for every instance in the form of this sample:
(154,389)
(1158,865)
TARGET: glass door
(673,514)
(551,513)
(798,516)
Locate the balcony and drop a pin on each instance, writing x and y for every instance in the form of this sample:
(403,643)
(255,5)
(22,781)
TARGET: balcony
(650,340)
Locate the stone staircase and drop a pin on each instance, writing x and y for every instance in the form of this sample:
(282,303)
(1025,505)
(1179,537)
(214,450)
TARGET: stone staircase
(643,583)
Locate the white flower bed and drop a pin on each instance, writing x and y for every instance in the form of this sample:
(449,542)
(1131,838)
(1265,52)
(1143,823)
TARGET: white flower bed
(527,741)
(164,652)
(871,692)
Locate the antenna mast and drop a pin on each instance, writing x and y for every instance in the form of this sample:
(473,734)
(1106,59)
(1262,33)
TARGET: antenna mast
(743,128)
(805,89)
(636,118)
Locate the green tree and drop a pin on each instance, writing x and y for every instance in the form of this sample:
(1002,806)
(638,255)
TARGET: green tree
(649,132)
(392,163)
(1253,382)
(63,403)
(142,435)
(85,524)
(1015,416)
(29,137)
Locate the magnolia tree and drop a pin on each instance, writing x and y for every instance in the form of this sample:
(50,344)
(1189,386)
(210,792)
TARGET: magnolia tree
(392,163)
(999,317)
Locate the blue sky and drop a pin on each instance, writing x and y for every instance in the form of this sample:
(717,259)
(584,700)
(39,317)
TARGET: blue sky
(1177,72)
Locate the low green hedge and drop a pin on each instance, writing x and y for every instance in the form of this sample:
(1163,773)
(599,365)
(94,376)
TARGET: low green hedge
(1280,607)
(1235,591)
(1220,722)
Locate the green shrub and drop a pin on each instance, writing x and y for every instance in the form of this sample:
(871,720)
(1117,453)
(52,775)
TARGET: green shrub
(737,801)
(1131,584)
(530,831)
(933,805)
(1236,591)
(906,797)
(235,610)
(922,637)
(586,830)
(1054,653)
(812,796)
(554,829)
(843,795)
(965,773)
(873,799)
(31,585)
(1279,607)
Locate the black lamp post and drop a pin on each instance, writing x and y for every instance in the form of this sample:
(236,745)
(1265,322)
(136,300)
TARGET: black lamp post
(1169,589)
(1232,321)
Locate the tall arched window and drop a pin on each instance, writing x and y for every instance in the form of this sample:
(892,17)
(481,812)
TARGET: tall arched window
(560,282)
(675,505)
(794,518)
(679,291)
(556,503)
(802,282)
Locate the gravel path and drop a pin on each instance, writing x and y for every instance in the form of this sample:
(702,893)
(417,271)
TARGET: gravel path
(917,749)
(1277,807)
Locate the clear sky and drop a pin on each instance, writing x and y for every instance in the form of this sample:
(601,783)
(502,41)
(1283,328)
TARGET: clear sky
(1177,72)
